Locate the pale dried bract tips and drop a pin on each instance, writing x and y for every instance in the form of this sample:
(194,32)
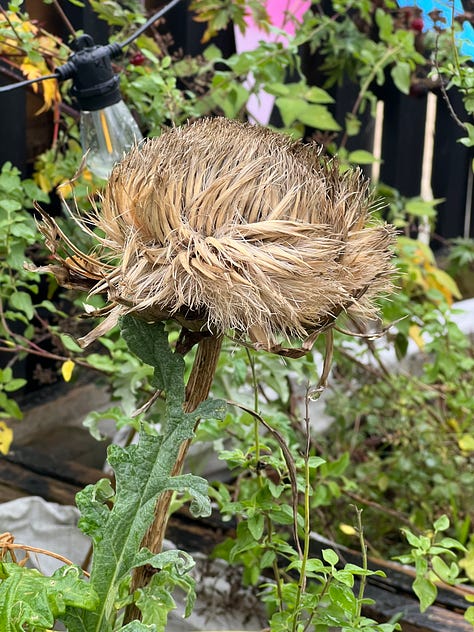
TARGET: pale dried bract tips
(228,226)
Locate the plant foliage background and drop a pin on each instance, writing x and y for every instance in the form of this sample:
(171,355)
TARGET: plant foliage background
(401,443)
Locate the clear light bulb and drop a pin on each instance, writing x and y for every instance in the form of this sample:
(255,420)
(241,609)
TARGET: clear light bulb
(106,135)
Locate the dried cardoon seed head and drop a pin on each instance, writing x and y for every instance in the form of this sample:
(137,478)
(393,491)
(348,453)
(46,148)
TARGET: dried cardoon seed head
(224,225)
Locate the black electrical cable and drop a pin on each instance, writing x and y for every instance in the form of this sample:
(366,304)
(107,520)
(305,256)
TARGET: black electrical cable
(149,23)
(114,48)
(27,82)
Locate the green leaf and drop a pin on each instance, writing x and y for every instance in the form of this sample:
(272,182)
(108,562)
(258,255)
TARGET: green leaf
(22,302)
(28,598)
(466,443)
(256,524)
(469,615)
(142,473)
(343,597)
(401,75)
(330,556)
(14,384)
(317,95)
(290,108)
(315,461)
(137,626)
(10,205)
(319,117)
(413,540)
(212,53)
(362,157)
(442,523)
(421,208)
(182,561)
(352,124)
(426,592)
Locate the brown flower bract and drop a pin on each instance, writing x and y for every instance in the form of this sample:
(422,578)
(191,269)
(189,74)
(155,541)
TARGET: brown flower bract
(227,225)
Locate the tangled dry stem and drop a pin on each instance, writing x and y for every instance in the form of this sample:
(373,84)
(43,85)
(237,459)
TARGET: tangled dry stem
(223,225)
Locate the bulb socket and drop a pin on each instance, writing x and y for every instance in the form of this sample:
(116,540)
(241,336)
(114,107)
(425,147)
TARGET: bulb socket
(95,85)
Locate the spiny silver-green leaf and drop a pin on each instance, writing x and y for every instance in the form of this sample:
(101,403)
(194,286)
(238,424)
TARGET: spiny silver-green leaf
(142,473)
(28,598)
(149,342)
(137,626)
(182,561)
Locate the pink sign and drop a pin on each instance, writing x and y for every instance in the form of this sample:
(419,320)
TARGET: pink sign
(283,14)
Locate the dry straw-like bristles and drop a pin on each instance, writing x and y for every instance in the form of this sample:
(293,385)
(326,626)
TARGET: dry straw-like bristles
(223,225)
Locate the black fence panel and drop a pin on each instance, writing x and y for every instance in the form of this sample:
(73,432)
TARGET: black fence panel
(452,172)
(402,140)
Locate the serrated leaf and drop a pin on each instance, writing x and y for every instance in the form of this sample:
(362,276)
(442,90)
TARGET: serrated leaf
(212,53)
(142,473)
(290,108)
(182,561)
(138,626)
(28,598)
(318,95)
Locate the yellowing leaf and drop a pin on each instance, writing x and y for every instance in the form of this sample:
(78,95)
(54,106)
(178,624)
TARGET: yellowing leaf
(43,182)
(415,334)
(466,443)
(347,529)
(453,423)
(467,564)
(6,437)
(443,282)
(67,369)
(65,189)
(51,94)
(32,71)
(50,89)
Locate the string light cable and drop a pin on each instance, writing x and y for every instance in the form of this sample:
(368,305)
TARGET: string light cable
(107,127)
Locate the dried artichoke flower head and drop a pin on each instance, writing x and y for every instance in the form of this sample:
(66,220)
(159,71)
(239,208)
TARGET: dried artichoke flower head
(223,225)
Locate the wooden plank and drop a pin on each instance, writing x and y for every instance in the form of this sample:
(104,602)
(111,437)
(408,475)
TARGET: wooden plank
(72,472)
(29,483)
(390,603)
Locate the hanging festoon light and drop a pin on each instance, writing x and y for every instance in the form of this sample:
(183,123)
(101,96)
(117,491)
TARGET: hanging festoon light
(107,127)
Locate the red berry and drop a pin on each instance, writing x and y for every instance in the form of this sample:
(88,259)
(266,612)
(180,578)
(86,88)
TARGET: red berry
(417,24)
(138,59)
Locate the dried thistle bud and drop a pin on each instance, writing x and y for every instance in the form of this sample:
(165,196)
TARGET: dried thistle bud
(223,225)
